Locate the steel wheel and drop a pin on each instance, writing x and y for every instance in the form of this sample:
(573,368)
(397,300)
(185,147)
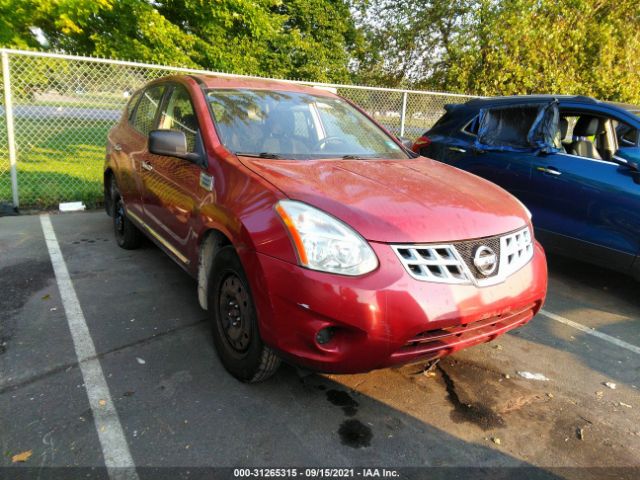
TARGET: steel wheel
(118,218)
(235,314)
(126,233)
(236,331)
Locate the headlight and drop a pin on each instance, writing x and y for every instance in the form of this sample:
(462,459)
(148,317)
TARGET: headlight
(323,242)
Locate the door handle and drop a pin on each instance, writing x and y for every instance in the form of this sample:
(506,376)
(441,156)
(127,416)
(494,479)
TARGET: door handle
(457,149)
(117,147)
(147,166)
(549,170)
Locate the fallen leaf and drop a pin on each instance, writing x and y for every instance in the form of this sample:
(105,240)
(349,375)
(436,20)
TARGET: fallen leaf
(22,457)
(102,403)
(46,297)
(496,440)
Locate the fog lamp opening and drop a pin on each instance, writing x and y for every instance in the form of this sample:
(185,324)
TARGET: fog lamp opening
(325,335)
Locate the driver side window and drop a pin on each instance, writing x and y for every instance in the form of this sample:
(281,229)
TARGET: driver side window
(594,135)
(627,135)
(179,114)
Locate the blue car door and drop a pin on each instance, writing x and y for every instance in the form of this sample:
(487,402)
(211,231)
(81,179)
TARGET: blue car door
(587,205)
(510,169)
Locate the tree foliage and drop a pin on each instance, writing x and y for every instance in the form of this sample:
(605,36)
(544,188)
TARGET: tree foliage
(488,47)
(409,40)
(585,47)
(293,38)
(503,47)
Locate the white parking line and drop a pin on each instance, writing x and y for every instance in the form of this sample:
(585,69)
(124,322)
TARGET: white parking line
(591,331)
(115,449)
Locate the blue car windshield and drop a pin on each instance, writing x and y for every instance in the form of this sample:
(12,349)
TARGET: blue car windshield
(296,125)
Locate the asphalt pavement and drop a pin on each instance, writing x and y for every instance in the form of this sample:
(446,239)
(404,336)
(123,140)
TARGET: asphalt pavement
(176,407)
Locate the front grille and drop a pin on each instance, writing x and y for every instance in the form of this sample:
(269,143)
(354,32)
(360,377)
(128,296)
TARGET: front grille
(517,248)
(454,263)
(436,263)
(468,249)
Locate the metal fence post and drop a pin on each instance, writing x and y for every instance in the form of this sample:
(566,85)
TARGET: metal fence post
(403,113)
(11,139)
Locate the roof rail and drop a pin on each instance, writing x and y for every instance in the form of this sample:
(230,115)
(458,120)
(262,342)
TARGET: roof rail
(586,98)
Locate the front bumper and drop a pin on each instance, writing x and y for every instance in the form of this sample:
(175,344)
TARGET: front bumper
(386,317)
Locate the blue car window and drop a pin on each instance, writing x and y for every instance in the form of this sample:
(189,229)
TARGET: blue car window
(626,134)
(471,128)
(522,127)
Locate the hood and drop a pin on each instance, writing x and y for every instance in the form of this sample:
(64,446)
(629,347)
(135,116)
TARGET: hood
(404,201)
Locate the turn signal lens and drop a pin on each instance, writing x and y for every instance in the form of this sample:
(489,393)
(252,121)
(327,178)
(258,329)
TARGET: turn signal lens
(420,143)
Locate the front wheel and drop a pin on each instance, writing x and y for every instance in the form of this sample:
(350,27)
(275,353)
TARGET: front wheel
(235,323)
(127,234)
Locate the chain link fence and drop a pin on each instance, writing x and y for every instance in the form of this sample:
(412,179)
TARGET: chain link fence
(61,108)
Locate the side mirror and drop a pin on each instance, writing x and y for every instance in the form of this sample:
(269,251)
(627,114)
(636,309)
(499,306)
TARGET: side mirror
(173,143)
(170,143)
(628,157)
(406,142)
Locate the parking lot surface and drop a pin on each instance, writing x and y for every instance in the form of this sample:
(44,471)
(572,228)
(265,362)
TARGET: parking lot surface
(177,407)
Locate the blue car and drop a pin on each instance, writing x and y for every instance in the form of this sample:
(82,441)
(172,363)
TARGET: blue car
(572,160)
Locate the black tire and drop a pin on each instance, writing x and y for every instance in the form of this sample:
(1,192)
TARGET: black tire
(127,234)
(235,322)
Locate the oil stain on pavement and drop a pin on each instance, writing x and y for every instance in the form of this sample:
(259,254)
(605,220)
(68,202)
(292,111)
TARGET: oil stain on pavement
(353,433)
(467,410)
(340,398)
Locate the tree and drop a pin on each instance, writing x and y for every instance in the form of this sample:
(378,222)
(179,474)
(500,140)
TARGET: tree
(569,46)
(409,40)
(292,38)
(508,47)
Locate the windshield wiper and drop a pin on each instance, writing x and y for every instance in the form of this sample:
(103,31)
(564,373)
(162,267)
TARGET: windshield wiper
(358,157)
(259,155)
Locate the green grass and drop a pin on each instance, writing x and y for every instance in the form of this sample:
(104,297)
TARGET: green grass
(59,160)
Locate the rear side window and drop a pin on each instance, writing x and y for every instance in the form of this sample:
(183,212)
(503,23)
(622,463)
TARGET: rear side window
(508,126)
(522,127)
(132,105)
(145,114)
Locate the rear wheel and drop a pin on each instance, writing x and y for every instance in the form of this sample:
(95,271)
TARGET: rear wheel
(235,323)
(127,234)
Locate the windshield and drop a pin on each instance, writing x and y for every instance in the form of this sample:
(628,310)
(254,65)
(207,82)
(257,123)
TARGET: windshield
(280,124)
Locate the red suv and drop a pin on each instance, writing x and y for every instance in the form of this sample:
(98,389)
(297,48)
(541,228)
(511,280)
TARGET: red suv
(315,235)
